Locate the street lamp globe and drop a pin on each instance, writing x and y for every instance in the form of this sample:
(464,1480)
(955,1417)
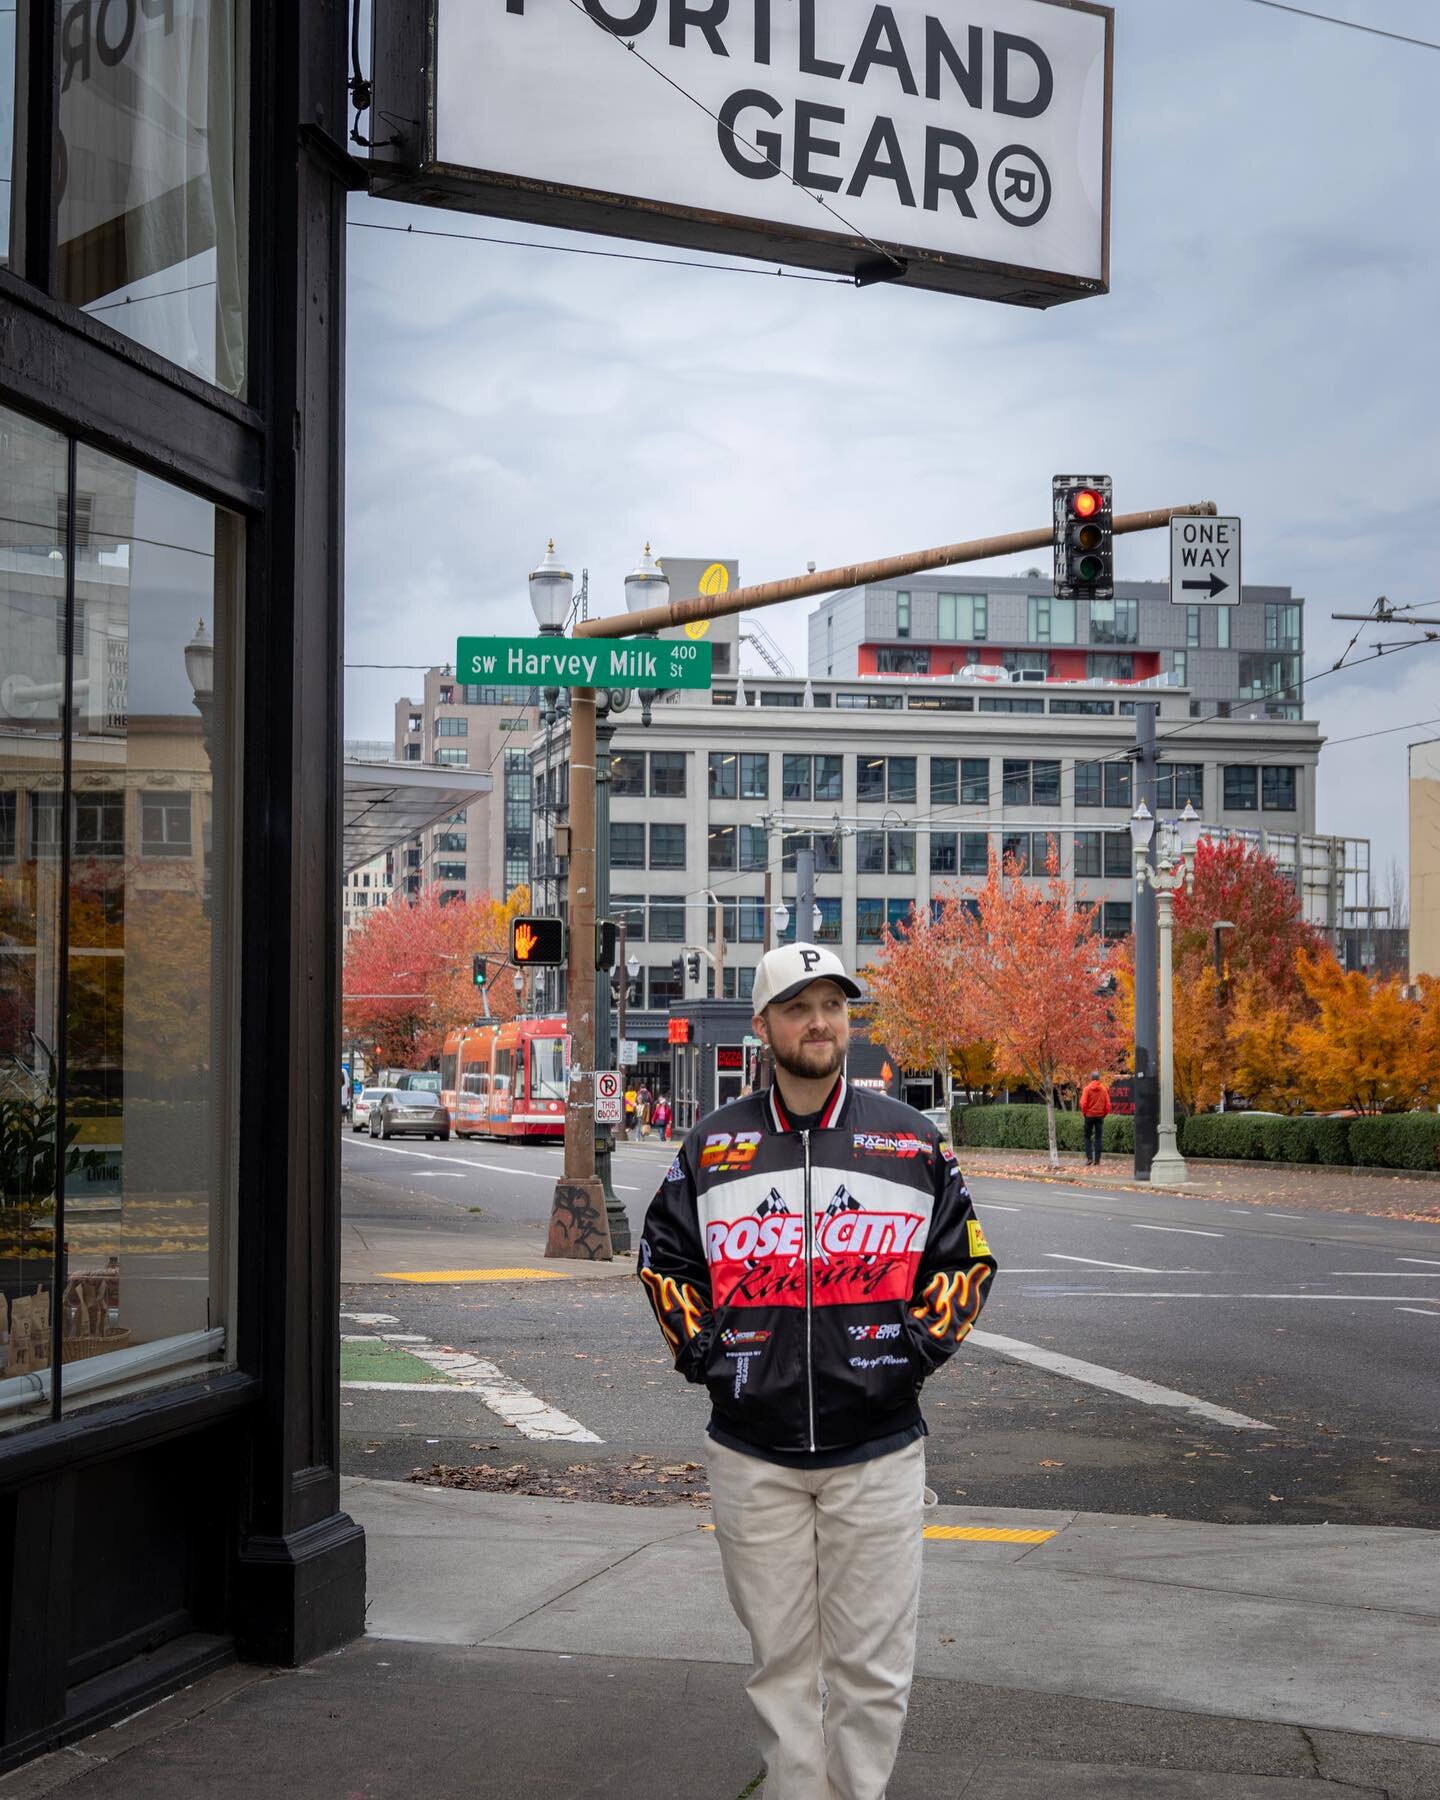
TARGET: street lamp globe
(781,916)
(1142,827)
(646,585)
(632,967)
(552,588)
(817,918)
(200,662)
(1190,829)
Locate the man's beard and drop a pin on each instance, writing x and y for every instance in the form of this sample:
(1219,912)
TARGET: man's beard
(812,1061)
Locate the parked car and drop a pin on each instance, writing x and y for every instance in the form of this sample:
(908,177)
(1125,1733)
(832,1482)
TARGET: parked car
(362,1104)
(411,1112)
(940,1119)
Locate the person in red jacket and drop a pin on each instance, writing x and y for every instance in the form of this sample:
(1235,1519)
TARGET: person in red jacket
(1094,1105)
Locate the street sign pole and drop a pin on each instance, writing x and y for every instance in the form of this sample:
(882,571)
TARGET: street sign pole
(579,1227)
(1147,973)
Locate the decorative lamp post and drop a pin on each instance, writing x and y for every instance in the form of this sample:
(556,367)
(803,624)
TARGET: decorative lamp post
(552,593)
(646,585)
(1167,878)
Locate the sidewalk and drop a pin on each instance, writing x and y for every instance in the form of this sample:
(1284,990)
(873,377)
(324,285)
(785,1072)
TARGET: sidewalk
(522,1646)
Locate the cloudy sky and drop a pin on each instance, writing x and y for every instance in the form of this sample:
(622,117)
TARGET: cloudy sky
(1269,342)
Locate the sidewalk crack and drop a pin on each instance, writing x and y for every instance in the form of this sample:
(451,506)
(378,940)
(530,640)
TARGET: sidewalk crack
(575,1586)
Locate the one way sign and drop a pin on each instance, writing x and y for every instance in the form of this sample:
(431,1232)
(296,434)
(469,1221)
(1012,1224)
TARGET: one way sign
(1204,561)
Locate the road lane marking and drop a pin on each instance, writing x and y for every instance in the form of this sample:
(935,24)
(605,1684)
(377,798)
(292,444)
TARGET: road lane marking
(406,1387)
(529,1414)
(1128,1268)
(1425,1312)
(990,1206)
(1275,1215)
(473,1275)
(1131,1387)
(1129,1294)
(1184,1230)
(1429,1261)
(1389,1274)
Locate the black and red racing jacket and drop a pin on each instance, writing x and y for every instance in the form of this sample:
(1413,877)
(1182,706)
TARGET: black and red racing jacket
(813,1279)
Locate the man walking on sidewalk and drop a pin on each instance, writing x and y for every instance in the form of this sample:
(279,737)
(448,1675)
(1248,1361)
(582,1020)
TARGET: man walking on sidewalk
(1094,1105)
(812,1256)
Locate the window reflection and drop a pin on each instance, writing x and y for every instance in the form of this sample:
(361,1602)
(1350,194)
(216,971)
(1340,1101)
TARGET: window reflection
(7,125)
(151,225)
(133,842)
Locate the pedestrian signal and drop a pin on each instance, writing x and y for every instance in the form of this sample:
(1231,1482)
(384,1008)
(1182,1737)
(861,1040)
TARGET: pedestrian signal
(537,943)
(1084,543)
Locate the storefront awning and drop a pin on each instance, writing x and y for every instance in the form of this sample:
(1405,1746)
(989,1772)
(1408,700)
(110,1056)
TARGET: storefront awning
(388,803)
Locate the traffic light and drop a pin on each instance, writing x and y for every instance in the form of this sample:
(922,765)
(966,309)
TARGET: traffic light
(537,943)
(1084,546)
(479,970)
(677,972)
(692,965)
(607,934)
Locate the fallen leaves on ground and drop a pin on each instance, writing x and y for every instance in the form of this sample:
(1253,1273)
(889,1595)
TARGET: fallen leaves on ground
(642,1481)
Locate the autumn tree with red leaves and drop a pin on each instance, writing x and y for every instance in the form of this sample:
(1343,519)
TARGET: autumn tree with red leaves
(1017,965)
(421,952)
(1236,881)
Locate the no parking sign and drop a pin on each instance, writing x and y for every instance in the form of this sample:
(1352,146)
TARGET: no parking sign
(609,1100)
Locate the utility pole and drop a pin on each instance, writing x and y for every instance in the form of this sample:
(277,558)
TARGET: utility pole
(579,1227)
(621,957)
(604,1141)
(805,891)
(1147,974)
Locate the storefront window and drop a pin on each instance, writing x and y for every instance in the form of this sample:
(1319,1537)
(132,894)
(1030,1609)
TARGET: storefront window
(115,902)
(153,191)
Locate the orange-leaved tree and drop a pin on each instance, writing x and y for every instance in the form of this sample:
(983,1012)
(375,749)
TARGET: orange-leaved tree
(1198,1023)
(421,953)
(1031,966)
(1358,1050)
(921,1007)
(1240,884)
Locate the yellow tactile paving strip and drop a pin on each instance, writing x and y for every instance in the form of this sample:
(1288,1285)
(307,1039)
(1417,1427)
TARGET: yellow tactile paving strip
(472,1275)
(977,1534)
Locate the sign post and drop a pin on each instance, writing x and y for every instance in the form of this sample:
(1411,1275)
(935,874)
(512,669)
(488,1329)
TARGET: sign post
(1204,561)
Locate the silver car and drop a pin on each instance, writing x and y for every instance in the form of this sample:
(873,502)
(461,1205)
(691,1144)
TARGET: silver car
(363,1104)
(412,1112)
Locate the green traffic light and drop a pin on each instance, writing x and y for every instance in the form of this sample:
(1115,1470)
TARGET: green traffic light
(1089,568)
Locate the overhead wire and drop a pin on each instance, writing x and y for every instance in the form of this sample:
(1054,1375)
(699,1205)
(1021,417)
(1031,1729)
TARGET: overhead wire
(1349,24)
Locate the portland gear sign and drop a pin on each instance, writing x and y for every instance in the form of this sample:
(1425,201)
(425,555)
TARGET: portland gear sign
(964,149)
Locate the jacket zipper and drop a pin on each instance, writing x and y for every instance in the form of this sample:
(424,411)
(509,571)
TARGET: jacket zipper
(809,1292)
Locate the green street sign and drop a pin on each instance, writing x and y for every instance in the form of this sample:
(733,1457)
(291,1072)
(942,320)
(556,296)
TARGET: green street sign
(585,662)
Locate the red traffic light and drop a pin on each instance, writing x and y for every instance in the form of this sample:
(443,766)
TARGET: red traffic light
(1085,503)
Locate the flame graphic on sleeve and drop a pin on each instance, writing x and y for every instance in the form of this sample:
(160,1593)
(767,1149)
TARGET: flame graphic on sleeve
(952,1302)
(678,1306)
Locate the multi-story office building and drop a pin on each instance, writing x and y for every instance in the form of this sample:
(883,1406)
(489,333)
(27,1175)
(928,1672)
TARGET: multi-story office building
(366,888)
(905,785)
(1233,661)
(485,848)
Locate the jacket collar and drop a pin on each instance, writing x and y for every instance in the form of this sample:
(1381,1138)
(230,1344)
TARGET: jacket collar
(829,1113)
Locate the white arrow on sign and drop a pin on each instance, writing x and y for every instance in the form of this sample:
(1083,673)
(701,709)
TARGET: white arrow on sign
(1204,560)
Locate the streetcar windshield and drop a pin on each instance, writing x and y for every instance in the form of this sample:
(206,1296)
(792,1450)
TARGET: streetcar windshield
(547,1068)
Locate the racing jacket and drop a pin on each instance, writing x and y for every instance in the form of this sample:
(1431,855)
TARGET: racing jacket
(812,1280)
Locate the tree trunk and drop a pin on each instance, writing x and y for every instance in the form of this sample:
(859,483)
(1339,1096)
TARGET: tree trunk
(1050,1124)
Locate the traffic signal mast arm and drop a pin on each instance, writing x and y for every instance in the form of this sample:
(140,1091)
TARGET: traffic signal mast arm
(886,568)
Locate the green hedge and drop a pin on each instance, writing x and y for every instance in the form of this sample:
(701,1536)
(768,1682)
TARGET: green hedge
(1391,1141)
(1397,1141)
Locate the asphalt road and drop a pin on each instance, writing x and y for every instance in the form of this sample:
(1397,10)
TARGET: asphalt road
(1323,1329)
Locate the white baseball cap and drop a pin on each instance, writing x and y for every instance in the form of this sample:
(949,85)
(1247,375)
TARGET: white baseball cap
(783,972)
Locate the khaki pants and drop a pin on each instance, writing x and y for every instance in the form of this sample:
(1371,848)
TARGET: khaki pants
(823,1569)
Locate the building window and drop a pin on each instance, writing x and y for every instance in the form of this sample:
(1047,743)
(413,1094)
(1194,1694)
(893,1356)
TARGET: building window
(751,921)
(165,824)
(870,852)
(100,825)
(1241,787)
(1045,784)
(1015,790)
(1118,784)
(1119,854)
(975,781)
(944,780)
(1051,621)
(627,845)
(754,775)
(667,846)
(667,774)
(667,922)
(1087,856)
(1116,920)
(412,753)
(974,853)
(754,850)
(995,703)
(452,757)
(869,920)
(666,986)
(795,778)
(627,775)
(1179,665)
(1088,791)
(890,661)
(448,841)
(827,853)
(1114,621)
(829,777)
(962,618)
(870,702)
(828,930)
(414,722)
(1282,625)
(944,853)
(900,852)
(898,914)
(7,826)
(1015,846)
(1085,709)
(452,727)
(900,779)
(940,702)
(1104,667)
(769,697)
(1031,665)
(1222,627)
(902,615)
(1179,784)
(1270,678)
(629,910)
(1277,789)
(729,918)
(722,846)
(449,871)
(723,774)
(869,777)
